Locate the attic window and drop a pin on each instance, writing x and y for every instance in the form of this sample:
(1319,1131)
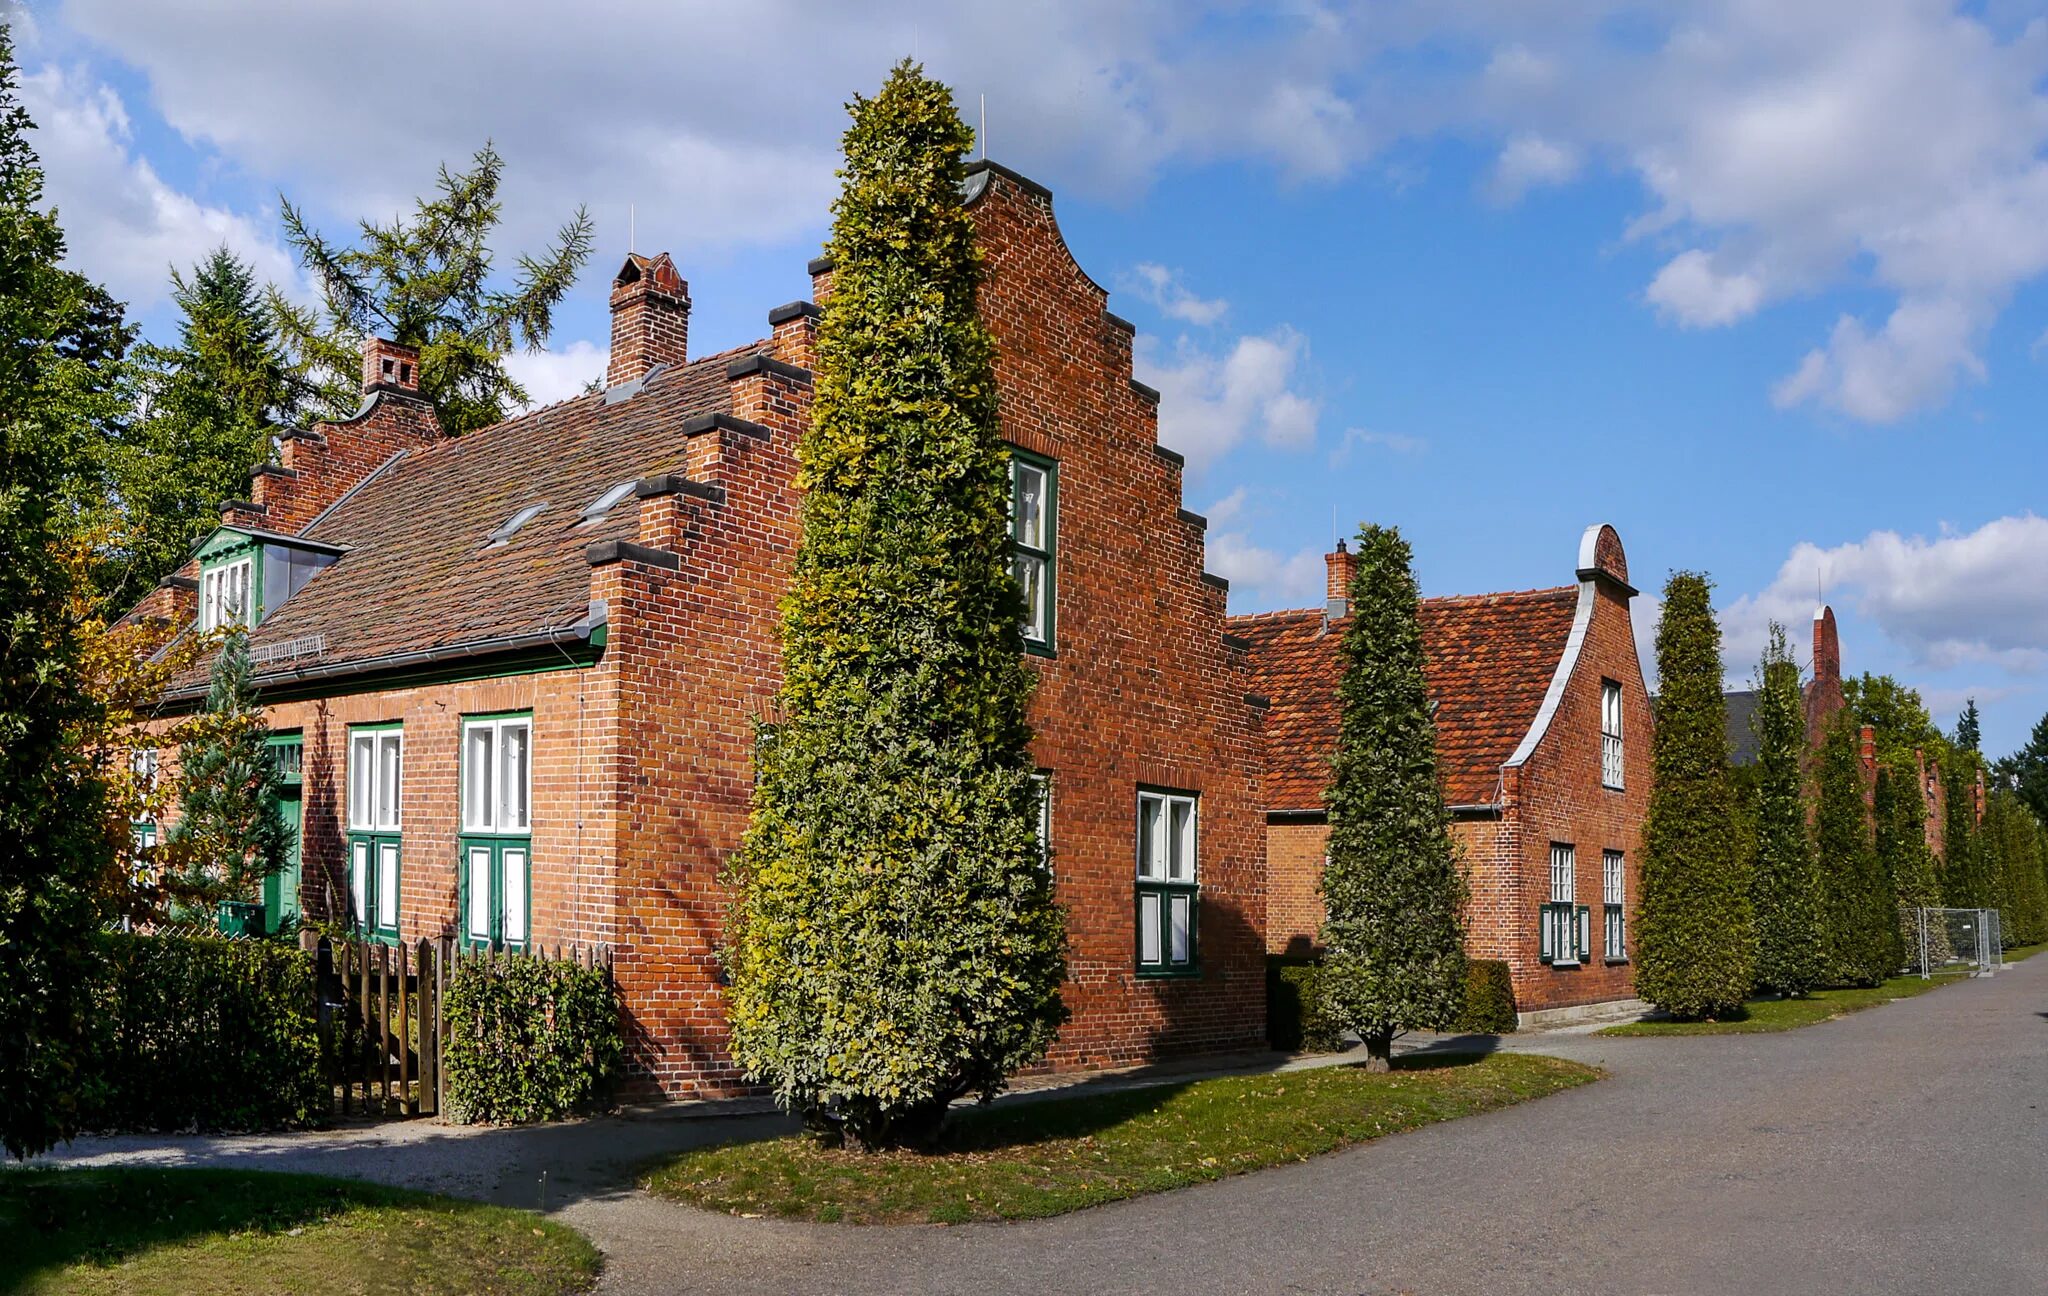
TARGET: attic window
(603,504)
(512,524)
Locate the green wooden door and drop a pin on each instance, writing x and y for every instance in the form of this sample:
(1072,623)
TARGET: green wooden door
(281,889)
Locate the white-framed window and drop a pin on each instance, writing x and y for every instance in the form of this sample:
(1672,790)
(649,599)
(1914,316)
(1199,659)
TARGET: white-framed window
(142,765)
(1034,523)
(1614,905)
(225,594)
(1041,784)
(375,783)
(497,775)
(1563,932)
(1168,897)
(1610,734)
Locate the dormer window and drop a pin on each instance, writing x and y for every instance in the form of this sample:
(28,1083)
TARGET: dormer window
(227,595)
(603,503)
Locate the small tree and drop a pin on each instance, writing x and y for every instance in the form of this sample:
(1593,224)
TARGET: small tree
(1697,947)
(1392,893)
(229,835)
(1858,910)
(1969,728)
(894,943)
(1784,886)
(427,283)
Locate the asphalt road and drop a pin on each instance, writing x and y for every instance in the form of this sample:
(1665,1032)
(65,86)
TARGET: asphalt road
(1900,1150)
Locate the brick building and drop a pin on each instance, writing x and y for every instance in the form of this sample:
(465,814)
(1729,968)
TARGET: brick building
(1821,694)
(514,674)
(1543,743)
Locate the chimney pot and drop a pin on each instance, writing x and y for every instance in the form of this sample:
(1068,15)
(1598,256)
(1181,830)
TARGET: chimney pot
(390,366)
(650,318)
(1337,589)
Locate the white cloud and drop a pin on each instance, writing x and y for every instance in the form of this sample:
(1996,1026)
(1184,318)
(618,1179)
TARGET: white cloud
(1953,600)
(1690,290)
(1355,438)
(1164,289)
(1529,161)
(1262,578)
(558,374)
(1212,401)
(123,225)
(1908,365)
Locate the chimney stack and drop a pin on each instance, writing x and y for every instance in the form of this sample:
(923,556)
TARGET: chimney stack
(390,366)
(650,318)
(1337,590)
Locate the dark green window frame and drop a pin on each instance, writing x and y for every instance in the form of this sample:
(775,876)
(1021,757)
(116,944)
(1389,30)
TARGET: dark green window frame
(219,560)
(375,865)
(1168,884)
(1039,623)
(494,870)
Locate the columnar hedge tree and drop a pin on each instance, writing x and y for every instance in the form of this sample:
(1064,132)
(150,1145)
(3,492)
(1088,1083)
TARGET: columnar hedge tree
(895,942)
(1966,881)
(1784,886)
(2012,840)
(1901,821)
(229,835)
(1392,894)
(1696,945)
(1859,914)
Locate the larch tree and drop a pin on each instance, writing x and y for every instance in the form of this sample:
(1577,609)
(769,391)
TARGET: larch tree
(55,844)
(1696,948)
(430,282)
(1392,895)
(1859,914)
(895,943)
(1784,886)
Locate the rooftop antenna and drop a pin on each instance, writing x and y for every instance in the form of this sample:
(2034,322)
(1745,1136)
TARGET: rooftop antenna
(982,135)
(632,229)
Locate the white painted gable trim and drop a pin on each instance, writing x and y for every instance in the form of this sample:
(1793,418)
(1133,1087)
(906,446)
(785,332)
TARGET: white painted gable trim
(1582,620)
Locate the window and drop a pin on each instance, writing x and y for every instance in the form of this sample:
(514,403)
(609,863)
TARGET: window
(1610,734)
(603,503)
(1614,905)
(497,827)
(142,764)
(1034,522)
(290,754)
(1167,896)
(1042,785)
(225,596)
(375,780)
(512,524)
(1564,939)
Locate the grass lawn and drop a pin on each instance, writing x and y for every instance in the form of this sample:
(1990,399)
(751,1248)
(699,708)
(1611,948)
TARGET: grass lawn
(1047,1156)
(1760,1015)
(221,1231)
(2024,952)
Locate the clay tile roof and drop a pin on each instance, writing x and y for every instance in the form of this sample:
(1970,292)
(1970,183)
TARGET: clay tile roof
(1489,662)
(418,574)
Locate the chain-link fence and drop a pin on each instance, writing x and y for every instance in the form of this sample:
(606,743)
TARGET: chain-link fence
(1938,940)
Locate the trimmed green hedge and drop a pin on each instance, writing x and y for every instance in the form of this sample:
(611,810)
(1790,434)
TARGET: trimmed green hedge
(529,1040)
(1295,1019)
(201,1032)
(1489,999)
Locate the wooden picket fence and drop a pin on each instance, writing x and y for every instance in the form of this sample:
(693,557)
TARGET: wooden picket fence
(382,1027)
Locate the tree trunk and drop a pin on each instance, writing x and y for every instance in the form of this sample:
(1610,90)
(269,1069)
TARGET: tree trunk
(1379,1051)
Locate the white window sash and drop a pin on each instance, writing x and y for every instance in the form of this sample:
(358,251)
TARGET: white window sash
(514,919)
(387,886)
(479,916)
(359,882)
(497,787)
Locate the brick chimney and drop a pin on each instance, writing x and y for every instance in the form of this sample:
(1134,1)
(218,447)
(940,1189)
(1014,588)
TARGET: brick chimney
(650,318)
(318,465)
(1337,587)
(1827,649)
(390,366)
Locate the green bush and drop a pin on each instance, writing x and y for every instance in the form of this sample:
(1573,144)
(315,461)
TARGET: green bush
(1297,1021)
(201,1032)
(529,1040)
(1489,999)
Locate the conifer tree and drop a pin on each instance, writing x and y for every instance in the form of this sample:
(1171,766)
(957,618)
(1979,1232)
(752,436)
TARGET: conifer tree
(2027,771)
(1969,729)
(229,835)
(1784,886)
(1859,911)
(1696,946)
(55,333)
(895,943)
(1392,894)
(1900,814)
(1965,881)
(428,282)
(2010,841)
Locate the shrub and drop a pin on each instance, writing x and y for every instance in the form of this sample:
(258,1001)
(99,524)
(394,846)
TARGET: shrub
(1297,1020)
(1489,999)
(528,1040)
(203,1032)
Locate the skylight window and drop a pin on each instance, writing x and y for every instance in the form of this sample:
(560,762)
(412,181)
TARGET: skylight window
(513,523)
(604,502)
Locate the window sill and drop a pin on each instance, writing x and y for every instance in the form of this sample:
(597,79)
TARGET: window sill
(1038,648)
(1616,962)
(1612,787)
(1189,974)
(1560,965)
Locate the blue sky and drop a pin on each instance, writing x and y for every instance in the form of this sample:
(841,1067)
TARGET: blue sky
(1760,284)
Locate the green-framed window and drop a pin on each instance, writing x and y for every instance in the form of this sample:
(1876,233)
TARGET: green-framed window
(1614,906)
(1564,936)
(376,758)
(1034,543)
(228,591)
(1168,891)
(496,882)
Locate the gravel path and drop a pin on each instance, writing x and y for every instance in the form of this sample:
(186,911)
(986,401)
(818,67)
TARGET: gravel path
(1903,1149)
